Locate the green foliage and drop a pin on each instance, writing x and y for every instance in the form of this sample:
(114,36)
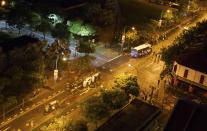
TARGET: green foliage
(188,6)
(131,36)
(78,125)
(59,124)
(81,29)
(101,13)
(44,26)
(60,48)
(114,98)
(22,70)
(86,47)
(34,19)
(60,31)
(94,109)
(185,40)
(82,64)
(17,16)
(128,83)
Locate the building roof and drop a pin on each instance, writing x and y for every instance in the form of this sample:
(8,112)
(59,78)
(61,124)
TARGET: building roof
(194,58)
(18,42)
(187,116)
(134,117)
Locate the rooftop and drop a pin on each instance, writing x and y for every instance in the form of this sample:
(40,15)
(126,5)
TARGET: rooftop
(134,117)
(194,58)
(187,116)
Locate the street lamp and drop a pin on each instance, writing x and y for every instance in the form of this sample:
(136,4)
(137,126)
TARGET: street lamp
(56,66)
(3,3)
(64,59)
(161,17)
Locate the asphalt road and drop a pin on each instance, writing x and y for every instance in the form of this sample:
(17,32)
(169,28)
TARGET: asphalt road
(145,68)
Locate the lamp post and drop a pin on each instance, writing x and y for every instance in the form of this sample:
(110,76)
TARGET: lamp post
(124,37)
(56,66)
(3,3)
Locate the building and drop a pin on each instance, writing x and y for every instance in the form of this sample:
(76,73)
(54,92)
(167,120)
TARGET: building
(136,116)
(190,70)
(187,116)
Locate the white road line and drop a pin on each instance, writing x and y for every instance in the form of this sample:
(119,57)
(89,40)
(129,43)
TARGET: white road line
(114,58)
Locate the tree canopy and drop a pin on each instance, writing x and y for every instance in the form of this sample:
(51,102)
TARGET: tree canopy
(22,69)
(128,83)
(94,109)
(187,39)
(114,98)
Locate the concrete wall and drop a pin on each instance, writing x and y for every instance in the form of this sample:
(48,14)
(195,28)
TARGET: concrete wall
(193,75)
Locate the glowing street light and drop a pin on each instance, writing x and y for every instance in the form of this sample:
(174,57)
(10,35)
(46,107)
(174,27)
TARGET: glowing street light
(64,59)
(131,66)
(3,3)
(161,17)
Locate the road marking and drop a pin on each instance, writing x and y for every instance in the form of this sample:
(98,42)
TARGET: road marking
(22,113)
(114,58)
(6,128)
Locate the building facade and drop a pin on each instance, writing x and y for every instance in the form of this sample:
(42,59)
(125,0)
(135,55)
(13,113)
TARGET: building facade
(192,77)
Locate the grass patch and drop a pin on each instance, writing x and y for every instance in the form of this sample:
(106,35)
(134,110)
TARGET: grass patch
(137,12)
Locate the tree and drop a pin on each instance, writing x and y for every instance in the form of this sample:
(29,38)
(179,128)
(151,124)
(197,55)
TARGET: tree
(168,17)
(103,13)
(25,69)
(94,109)
(57,49)
(193,6)
(184,41)
(128,83)
(114,98)
(60,31)
(82,64)
(78,125)
(34,20)
(131,36)
(188,6)
(86,47)
(44,26)
(17,16)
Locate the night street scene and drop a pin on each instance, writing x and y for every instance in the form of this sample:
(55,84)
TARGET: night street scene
(103,65)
